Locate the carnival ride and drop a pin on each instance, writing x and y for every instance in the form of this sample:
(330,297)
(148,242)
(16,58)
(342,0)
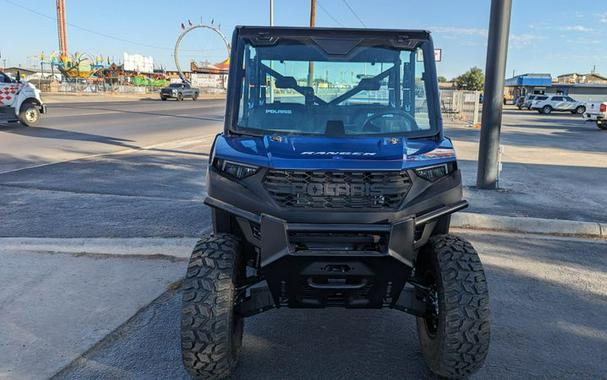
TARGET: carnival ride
(206,67)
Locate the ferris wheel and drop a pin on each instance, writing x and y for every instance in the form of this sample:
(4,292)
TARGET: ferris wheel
(187,29)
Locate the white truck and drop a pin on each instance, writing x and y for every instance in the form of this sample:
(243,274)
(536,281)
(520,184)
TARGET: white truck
(597,112)
(20,101)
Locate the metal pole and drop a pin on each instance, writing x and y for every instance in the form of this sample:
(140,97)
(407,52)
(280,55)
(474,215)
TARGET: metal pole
(271,12)
(312,25)
(271,63)
(497,51)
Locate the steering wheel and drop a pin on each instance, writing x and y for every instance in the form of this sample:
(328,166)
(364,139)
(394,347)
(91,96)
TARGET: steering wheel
(368,125)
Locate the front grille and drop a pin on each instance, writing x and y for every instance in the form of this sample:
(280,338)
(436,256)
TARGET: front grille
(326,189)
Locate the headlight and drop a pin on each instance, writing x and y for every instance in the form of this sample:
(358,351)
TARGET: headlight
(432,173)
(235,169)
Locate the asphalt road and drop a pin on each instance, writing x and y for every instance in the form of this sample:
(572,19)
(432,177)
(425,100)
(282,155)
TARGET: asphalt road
(75,130)
(60,180)
(548,310)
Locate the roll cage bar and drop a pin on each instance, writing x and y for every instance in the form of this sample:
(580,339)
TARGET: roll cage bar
(365,84)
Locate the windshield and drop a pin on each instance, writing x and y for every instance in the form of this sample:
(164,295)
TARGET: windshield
(175,85)
(340,87)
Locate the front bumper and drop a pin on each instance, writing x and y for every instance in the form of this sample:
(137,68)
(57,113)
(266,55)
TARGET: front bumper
(329,273)
(273,238)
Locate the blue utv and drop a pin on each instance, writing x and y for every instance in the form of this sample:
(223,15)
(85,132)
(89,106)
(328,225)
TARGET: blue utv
(332,185)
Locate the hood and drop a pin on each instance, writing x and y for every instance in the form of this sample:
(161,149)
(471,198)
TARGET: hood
(326,153)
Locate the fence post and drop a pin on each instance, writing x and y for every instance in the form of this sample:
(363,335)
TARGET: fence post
(477,105)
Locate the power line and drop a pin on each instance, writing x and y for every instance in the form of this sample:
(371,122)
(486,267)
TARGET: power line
(354,13)
(93,31)
(329,14)
(85,29)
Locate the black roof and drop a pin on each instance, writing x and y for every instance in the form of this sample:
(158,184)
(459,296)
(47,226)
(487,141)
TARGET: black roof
(269,35)
(307,31)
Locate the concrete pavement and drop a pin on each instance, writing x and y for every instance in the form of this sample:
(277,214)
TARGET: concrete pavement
(547,311)
(54,307)
(554,167)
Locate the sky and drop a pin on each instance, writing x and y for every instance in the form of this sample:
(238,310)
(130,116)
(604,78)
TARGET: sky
(546,36)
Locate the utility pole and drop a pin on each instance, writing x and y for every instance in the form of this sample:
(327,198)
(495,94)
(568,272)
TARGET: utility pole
(495,70)
(312,25)
(61,29)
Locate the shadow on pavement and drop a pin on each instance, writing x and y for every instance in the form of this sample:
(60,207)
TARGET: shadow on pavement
(115,110)
(148,193)
(574,138)
(540,328)
(59,134)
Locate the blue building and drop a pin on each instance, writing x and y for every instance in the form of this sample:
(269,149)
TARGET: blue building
(524,84)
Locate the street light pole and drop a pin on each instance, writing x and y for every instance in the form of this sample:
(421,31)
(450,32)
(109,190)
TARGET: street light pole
(495,70)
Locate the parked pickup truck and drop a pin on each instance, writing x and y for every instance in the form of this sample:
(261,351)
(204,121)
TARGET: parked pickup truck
(597,112)
(179,91)
(557,103)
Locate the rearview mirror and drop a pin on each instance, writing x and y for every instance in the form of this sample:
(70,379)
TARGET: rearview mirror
(369,84)
(285,82)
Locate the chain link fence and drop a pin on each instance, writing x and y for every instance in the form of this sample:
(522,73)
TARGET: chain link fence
(461,105)
(83,87)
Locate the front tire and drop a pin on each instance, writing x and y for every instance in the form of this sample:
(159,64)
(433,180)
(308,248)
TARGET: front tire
(547,110)
(29,114)
(195,96)
(179,97)
(211,332)
(455,336)
(163,98)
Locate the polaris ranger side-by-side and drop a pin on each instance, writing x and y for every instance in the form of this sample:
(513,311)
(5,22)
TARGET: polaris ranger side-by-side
(332,185)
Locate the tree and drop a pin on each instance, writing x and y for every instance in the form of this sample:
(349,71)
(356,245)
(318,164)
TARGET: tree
(442,79)
(472,80)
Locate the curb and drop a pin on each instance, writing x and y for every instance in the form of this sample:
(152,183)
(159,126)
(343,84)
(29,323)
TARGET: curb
(179,248)
(558,227)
